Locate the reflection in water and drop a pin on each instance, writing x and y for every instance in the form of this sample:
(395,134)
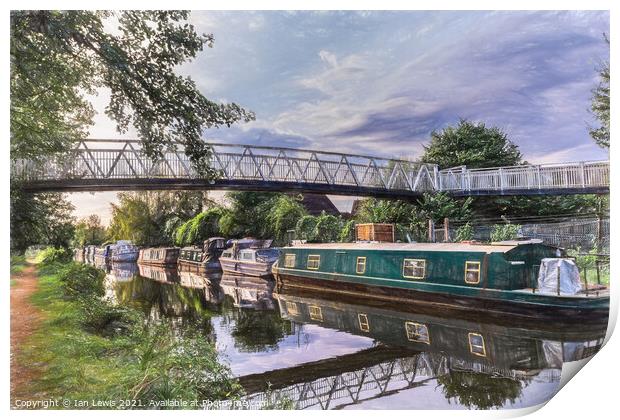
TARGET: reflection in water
(319,352)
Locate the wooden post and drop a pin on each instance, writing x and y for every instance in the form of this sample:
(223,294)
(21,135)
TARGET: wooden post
(598,271)
(585,279)
(446,229)
(431,230)
(558,280)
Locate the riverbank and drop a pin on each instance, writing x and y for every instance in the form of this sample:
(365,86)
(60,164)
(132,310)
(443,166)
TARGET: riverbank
(88,351)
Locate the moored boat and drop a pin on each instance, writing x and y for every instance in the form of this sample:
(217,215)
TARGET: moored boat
(159,256)
(124,251)
(205,258)
(507,279)
(102,254)
(79,254)
(249,257)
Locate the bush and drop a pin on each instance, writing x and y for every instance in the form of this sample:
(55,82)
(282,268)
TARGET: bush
(183,367)
(304,228)
(464,233)
(504,232)
(82,281)
(327,229)
(347,234)
(108,319)
(54,255)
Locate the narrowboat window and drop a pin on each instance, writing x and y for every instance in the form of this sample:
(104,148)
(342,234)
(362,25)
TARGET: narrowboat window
(417,332)
(476,344)
(360,266)
(291,308)
(315,313)
(313,262)
(472,272)
(363,321)
(414,269)
(289,260)
(246,255)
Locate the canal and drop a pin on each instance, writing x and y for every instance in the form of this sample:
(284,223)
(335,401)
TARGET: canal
(322,352)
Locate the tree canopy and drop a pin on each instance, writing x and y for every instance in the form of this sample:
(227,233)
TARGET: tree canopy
(57,57)
(472,144)
(41,219)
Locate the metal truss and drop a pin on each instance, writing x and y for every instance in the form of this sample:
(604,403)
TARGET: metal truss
(120,164)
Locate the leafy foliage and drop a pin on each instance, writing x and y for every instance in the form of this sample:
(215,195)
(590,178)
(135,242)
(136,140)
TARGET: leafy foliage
(479,390)
(200,228)
(59,56)
(152,218)
(304,229)
(89,231)
(82,281)
(327,228)
(41,219)
(504,232)
(53,255)
(600,106)
(464,233)
(284,214)
(473,145)
(347,233)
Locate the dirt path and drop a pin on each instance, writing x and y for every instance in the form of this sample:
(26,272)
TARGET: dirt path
(25,319)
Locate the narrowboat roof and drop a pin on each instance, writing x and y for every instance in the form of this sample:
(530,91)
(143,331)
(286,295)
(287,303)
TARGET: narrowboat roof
(416,246)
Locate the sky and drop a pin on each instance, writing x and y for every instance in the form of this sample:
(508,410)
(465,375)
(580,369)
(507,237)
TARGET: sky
(380,82)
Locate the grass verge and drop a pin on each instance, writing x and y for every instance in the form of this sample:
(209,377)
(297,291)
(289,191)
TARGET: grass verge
(89,349)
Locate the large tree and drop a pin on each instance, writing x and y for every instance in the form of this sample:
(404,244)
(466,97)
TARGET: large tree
(57,57)
(472,144)
(41,219)
(600,106)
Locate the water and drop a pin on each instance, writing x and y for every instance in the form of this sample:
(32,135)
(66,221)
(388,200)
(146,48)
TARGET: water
(320,352)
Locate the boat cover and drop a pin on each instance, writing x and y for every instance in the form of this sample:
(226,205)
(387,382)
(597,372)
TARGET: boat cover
(570,282)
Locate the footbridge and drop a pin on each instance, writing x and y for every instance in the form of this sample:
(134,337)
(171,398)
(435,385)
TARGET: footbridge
(112,165)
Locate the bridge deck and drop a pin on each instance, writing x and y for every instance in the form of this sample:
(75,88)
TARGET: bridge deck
(99,165)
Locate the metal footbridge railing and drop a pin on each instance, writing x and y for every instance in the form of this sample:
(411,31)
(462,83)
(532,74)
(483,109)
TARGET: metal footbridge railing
(98,165)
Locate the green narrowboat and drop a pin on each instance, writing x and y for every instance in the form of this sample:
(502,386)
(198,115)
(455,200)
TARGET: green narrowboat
(481,279)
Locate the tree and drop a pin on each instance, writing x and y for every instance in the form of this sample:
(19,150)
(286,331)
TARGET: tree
(248,215)
(200,228)
(284,214)
(373,210)
(89,231)
(59,56)
(600,106)
(131,220)
(40,219)
(473,145)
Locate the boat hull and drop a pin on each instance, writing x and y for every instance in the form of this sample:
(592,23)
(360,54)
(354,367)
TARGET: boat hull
(475,304)
(247,268)
(206,266)
(126,257)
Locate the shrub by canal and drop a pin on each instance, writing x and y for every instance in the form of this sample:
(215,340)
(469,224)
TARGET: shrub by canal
(90,349)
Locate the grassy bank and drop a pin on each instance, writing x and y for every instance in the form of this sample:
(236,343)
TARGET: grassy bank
(89,349)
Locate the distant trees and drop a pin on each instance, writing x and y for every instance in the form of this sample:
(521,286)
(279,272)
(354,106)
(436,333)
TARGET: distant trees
(89,231)
(472,144)
(600,106)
